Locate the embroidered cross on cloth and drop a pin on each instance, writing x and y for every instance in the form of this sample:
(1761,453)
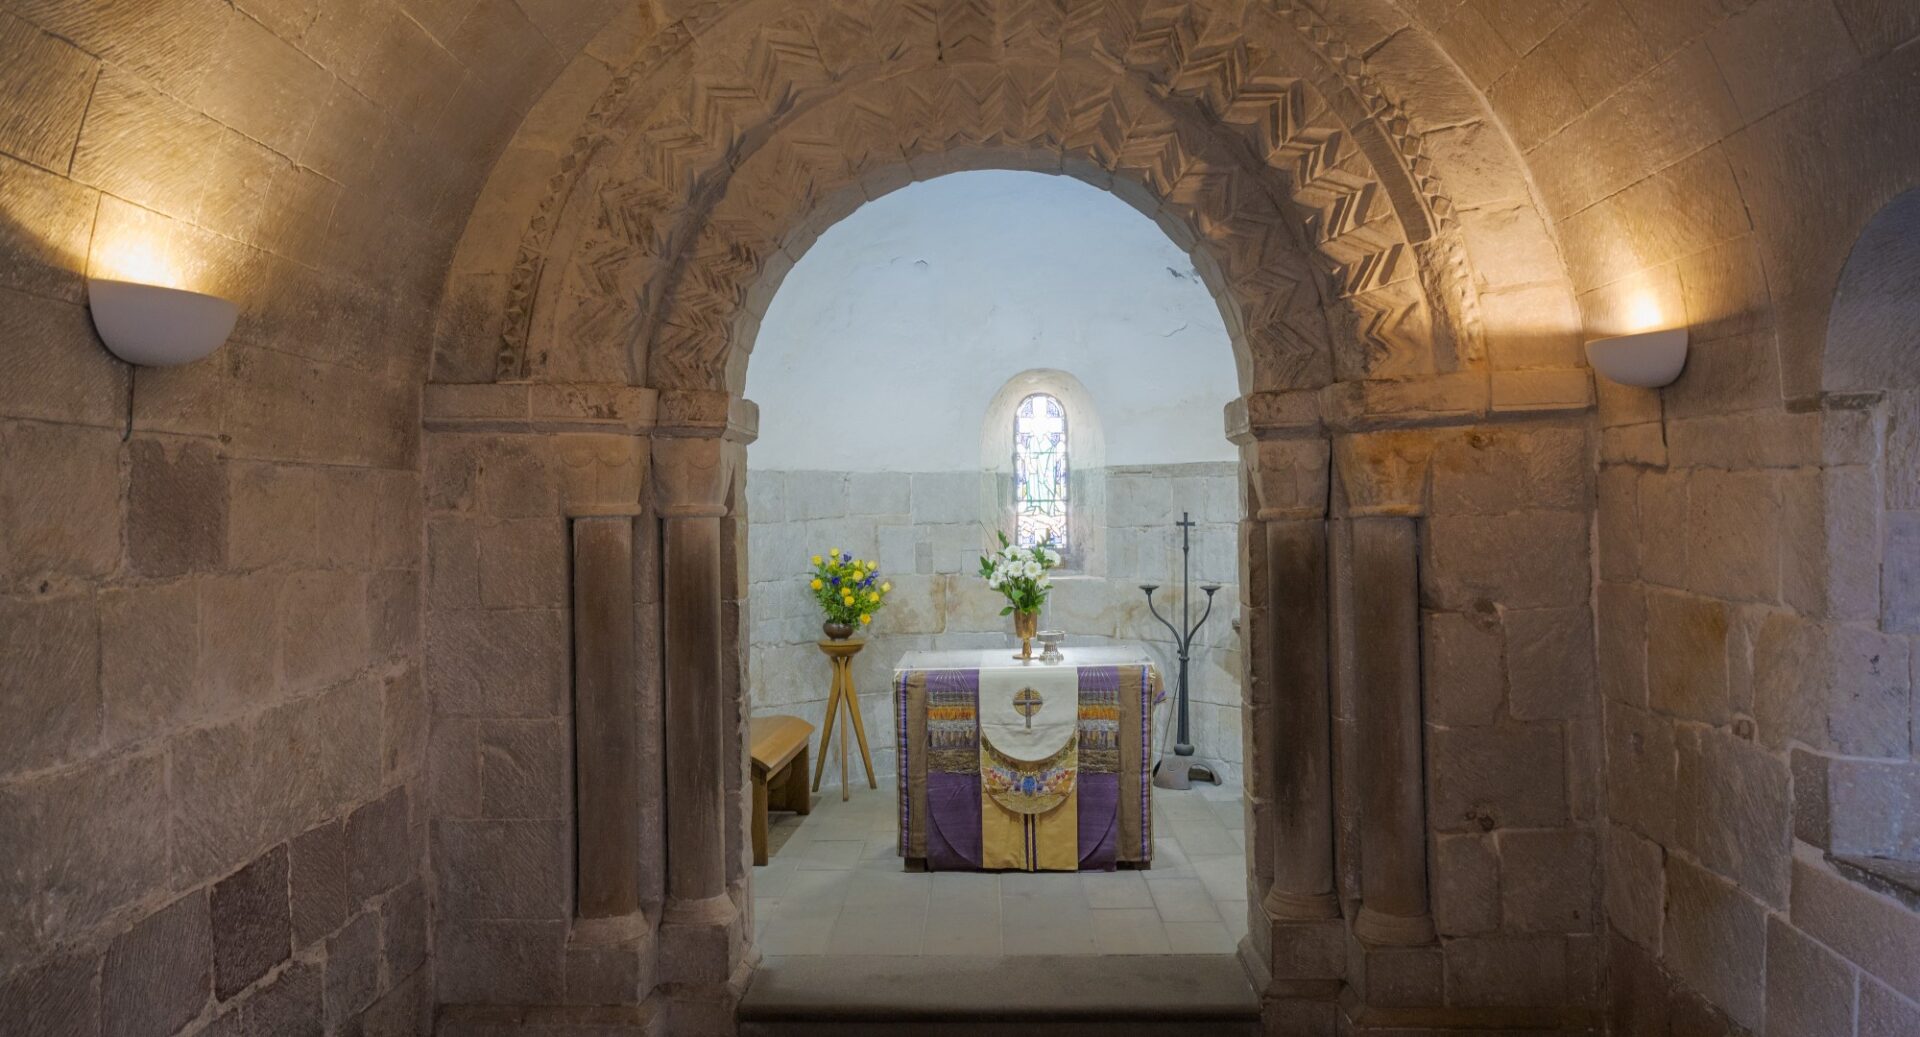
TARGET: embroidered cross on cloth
(1027,702)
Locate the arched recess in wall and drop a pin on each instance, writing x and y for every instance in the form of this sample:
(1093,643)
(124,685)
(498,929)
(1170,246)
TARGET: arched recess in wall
(1873,332)
(1861,563)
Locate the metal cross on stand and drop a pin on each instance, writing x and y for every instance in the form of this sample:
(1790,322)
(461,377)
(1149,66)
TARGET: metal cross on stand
(1180,769)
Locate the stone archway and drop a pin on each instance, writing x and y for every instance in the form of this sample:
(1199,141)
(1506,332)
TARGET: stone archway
(1323,230)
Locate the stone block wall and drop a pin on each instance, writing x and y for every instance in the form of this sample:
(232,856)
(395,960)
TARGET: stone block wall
(211,813)
(499,618)
(1707,167)
(928,530)
(1502,516)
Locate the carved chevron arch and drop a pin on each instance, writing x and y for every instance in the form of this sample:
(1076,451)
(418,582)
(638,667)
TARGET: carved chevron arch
(1245,241)
(1273,73)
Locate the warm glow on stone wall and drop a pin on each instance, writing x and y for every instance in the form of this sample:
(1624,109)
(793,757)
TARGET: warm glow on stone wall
(131,243)
(1644,313)
(135,259)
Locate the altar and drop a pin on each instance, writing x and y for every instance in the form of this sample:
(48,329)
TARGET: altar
(1006,765)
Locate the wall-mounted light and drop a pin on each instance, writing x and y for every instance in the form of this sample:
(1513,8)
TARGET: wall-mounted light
(1646,359)
(155,326)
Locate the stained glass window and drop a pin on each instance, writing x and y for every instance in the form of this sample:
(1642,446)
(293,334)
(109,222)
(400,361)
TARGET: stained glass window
(1040,472)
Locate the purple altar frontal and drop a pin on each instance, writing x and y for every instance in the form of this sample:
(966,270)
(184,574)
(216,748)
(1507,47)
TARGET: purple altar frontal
(1006,765)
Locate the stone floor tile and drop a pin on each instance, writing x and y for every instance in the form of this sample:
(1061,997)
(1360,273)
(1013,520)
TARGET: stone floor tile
(784,936)
(1233,914)
(1204,838)
(895,931)
(970,933)
(1116,889)
(835,887)
(1130,931)
(1035,925)
(1198,938)
(815,894)
(772,880)
(1182,900)
(831,854)
(1224,875)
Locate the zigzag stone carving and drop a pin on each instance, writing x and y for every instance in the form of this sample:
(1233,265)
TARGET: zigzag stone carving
(650,238)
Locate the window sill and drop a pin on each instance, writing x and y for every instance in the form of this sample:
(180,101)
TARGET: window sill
(1898,879)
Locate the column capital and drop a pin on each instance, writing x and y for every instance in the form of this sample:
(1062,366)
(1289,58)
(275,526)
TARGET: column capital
(704,414)
(1383,473)
(691,476)
(1288,477)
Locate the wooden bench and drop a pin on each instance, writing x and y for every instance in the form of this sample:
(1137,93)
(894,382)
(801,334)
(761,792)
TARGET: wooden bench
(779,747)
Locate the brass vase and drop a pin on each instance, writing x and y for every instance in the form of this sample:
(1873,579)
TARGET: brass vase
(1026,625)
(836,631)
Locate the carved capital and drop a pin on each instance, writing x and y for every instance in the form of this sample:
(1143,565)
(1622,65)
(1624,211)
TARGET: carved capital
(1288,477)
(601,474)
(691,476)
(1263,415)
(698,413)
(1383,473)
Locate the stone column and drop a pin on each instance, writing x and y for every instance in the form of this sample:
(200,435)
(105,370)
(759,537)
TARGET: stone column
(691,477)
(1303,786)
(607,755)
(1386,623)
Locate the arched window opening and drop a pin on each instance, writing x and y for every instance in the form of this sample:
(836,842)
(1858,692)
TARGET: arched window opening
(1040,490)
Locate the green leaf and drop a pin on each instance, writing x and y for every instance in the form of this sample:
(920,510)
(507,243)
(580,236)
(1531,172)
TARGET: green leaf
(1007,611)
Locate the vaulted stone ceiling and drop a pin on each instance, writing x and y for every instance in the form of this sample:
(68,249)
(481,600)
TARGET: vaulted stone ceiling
(338,150)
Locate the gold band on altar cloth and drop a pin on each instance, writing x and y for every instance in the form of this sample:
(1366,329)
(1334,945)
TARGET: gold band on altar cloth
(1029,815)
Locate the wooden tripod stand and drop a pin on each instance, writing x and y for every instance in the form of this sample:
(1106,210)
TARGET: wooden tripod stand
(841,653)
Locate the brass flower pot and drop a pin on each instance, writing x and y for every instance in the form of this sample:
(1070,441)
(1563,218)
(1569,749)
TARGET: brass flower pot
(1026,625)
(836,631)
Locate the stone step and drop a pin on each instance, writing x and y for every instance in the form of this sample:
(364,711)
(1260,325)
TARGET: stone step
(1192,995)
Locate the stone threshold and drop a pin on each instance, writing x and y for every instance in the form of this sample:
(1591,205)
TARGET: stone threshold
(1060,993)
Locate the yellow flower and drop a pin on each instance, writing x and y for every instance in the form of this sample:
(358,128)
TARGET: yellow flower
(846,599)
(865,618)
(834,551)
(886,588)
(817,584)
(873,596)
(816,559)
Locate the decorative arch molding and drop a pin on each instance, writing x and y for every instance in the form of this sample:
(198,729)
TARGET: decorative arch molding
(1347,159)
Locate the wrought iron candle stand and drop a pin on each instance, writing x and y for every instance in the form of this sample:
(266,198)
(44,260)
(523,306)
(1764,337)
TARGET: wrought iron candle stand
(1178,771)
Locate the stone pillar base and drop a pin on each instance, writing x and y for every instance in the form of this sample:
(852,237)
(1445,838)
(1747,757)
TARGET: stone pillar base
(1377,927)
(700,943)
(1292,1017)
(1308,950)
(708,1011)
(1300,907)
(610,961)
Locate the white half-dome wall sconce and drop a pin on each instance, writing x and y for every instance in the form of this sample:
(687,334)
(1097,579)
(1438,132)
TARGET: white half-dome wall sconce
(153,326)
(1648,360)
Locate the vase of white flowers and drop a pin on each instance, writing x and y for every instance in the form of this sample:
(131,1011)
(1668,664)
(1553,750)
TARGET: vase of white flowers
(1020,573)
